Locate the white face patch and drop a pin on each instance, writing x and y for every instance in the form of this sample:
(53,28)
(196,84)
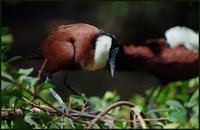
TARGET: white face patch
(102,48)
(183,36)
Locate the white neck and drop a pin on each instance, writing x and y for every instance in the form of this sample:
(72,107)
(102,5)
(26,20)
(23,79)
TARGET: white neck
(102,48)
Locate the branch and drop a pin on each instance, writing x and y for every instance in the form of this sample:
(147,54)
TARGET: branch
(73,114)
(38,97)
(142,122)
(112,106)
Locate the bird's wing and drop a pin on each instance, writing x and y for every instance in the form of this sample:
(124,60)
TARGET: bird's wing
(58,49)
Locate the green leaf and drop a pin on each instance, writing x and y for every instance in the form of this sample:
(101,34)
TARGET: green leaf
(195,110)
(21,124)
(194,100)
(161,124)
(5,124)
(28,119)
(5,84)
(76,100)
(28,81)
(16,75)
(79,126)
(171,126)
(21,103)
(45,86)
(6,75)
(159,110)
(138,99)
(4,49)
(96,103)
(183,97)
(13,59)
(45,117)
(5,98)
(4,30)
(6,39)
(102,124)
(111,96)
(17,91)
(194,82)
(178,117)
(138,108)
(195,95)
(176,105)
(25,71)
(120,124)
(3,67)
(12,101)
(194,120)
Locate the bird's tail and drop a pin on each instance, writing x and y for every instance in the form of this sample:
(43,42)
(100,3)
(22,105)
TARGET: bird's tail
(37,57)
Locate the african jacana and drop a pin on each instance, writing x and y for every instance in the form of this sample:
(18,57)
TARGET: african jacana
(77,47)
(172,58)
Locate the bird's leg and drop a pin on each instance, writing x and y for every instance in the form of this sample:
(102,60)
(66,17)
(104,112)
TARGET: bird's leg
(59,99)
(74,91)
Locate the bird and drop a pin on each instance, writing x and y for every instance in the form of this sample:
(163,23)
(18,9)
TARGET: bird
(172,57)
(158,58)
(76,47)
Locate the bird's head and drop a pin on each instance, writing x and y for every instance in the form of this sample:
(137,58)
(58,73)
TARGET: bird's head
(106,49)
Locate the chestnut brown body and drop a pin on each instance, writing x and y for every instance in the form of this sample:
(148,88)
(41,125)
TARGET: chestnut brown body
(69,46)
(169,64)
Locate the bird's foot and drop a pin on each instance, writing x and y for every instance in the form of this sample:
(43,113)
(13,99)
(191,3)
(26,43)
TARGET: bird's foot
(65,110)
(63,107)
(60,101)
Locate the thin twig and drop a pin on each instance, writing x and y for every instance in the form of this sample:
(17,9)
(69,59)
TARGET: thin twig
(132,118)
(37,96)
(74,114)
(112,106)
(5,112)
(110,118)
(85,105)
(142,122)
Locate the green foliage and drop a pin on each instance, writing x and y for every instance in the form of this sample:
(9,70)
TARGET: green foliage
(179,103)
(45,86)
(19,123)
(76,100)
(120,124)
